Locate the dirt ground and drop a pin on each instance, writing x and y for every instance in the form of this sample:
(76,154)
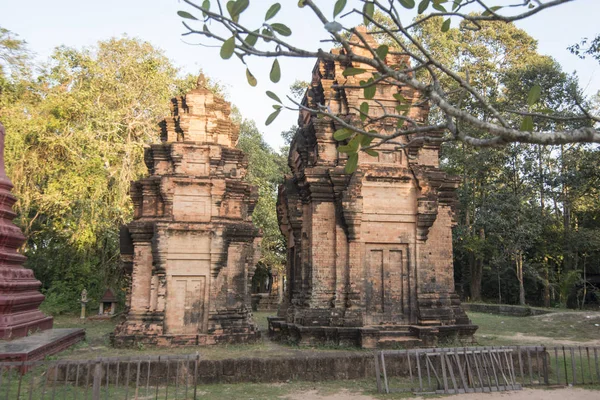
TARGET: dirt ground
(525,394)
(546,341)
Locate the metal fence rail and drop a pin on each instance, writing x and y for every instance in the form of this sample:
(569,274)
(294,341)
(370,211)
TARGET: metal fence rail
(484,369)
(152,377)
(442,370)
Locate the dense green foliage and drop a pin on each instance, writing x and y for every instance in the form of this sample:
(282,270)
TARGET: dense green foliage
(266,169)
(529,217)
(76,134)
(75,137)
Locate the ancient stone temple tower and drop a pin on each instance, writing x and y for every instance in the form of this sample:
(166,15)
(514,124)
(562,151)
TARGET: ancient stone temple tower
(369,253)
(192,247)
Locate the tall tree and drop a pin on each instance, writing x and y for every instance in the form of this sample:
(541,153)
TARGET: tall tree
(75,141)
(265,170)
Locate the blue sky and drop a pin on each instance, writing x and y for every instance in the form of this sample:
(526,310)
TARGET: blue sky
(46,24)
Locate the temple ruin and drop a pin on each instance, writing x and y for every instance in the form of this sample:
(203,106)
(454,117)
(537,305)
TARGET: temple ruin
(191,248)
(369,253)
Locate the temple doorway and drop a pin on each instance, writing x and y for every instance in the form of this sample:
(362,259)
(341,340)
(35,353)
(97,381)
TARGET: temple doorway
(386,270)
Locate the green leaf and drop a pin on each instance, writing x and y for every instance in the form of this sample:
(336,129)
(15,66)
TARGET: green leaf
(408,3)
(446,25)
(227,48)
(251,78)
(339,7)
(229,6)
(369,91)
(187,15)
(402,107)
(527,124)
(423,5)
(272,11)
(272,117)
(301,3)
(353,71)
(456,4)
(238,7)
(355,142)
(364,110)
(343,134)
(368,10)
(273,96)
(534,95)
(371,152)
(252,38)
(282,29)
(346,149)
(491,10)
(267,32)
(400,98)
(275,73)
(206,6)
(382,51)
(439,7)
(352,163)
(366,140)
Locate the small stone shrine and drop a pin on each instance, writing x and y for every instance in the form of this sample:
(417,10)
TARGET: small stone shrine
(191,249)
(108,304)
(369,253)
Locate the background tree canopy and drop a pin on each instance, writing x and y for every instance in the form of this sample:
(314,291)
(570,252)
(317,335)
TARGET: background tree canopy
(76,128)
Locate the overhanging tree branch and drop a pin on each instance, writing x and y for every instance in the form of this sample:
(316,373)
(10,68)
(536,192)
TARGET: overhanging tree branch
(430,77)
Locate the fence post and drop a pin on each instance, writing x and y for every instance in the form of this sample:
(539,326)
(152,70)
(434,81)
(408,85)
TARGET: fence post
(546,361)
(196,374)
(97,380)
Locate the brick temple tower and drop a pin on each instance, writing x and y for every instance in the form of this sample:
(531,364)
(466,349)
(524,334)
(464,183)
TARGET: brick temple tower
(192,248)
(369,253)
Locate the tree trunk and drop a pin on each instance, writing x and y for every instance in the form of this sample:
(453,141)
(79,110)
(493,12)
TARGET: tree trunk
(546,283)
(543,212)
(476,272)
(584,282)
(519,265)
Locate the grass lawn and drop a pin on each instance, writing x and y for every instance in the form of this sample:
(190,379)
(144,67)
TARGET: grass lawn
(97,343)
(568,328)
(575,328)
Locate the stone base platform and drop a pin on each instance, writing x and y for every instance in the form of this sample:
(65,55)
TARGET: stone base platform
(265,302)
(370,337)
(123,341)
(40,345)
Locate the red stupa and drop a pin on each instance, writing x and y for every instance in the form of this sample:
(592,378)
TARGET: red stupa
(19,290)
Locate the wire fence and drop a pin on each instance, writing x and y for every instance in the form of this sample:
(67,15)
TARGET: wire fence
(151,377)
(437,371)
(484,369)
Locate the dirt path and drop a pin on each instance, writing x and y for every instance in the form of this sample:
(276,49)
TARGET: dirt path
(525,394)
(547,341)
